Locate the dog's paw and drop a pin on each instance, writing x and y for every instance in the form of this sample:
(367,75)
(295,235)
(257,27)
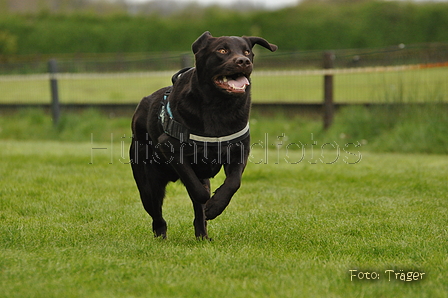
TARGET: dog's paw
(212,210)
(159,229)
(203,238)
(159,235)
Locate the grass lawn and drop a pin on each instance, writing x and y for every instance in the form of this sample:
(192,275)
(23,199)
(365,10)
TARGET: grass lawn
(74,229)
(415,86)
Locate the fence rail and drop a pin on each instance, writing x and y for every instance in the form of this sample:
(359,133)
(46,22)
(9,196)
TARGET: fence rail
(359,76)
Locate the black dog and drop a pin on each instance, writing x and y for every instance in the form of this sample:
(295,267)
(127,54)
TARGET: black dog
(193,128)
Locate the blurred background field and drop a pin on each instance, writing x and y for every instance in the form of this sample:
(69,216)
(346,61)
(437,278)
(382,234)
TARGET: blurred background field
(390,66)
(422,85)
(66,27)
(120,51)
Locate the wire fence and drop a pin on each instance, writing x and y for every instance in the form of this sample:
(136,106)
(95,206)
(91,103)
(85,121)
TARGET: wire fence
(415,73)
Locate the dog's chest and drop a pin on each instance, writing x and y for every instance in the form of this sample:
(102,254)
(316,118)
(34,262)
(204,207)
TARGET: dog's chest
(207,154)
(206,161)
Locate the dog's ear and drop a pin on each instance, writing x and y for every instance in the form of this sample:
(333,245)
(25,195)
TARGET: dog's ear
(201,42)
(253,40)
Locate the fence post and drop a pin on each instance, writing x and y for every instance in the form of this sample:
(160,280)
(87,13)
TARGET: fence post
(55,109)
(328,90)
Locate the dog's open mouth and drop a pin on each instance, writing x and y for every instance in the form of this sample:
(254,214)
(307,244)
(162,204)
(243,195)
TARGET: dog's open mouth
(233,84)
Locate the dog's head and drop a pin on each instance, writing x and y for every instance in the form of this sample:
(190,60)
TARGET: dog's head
(226,62)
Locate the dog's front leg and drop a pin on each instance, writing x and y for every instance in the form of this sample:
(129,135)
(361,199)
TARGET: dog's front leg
(197,191)
(199,223)
(219,201)
(173,153)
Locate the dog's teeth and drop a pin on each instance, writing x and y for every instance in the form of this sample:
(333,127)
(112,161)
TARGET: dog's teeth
(224,79)
(237,88)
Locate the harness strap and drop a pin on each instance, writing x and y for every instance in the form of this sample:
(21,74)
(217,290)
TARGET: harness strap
(171,126)
(175,129)
(233,138)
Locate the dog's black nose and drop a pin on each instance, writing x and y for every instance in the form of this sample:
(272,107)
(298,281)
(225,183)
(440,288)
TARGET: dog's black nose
(243,61)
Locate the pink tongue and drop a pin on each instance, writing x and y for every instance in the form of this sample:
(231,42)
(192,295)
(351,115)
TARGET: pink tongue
(240,82)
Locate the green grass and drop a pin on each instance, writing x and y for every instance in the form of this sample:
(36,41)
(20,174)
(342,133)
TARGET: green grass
(426,85)
(400,128)
(74,229)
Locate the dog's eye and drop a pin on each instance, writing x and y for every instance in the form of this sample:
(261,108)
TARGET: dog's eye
(247,52)
(223,51)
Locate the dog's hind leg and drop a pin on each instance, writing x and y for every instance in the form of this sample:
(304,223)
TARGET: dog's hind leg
(199,223)
(152,199)
(152,191)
